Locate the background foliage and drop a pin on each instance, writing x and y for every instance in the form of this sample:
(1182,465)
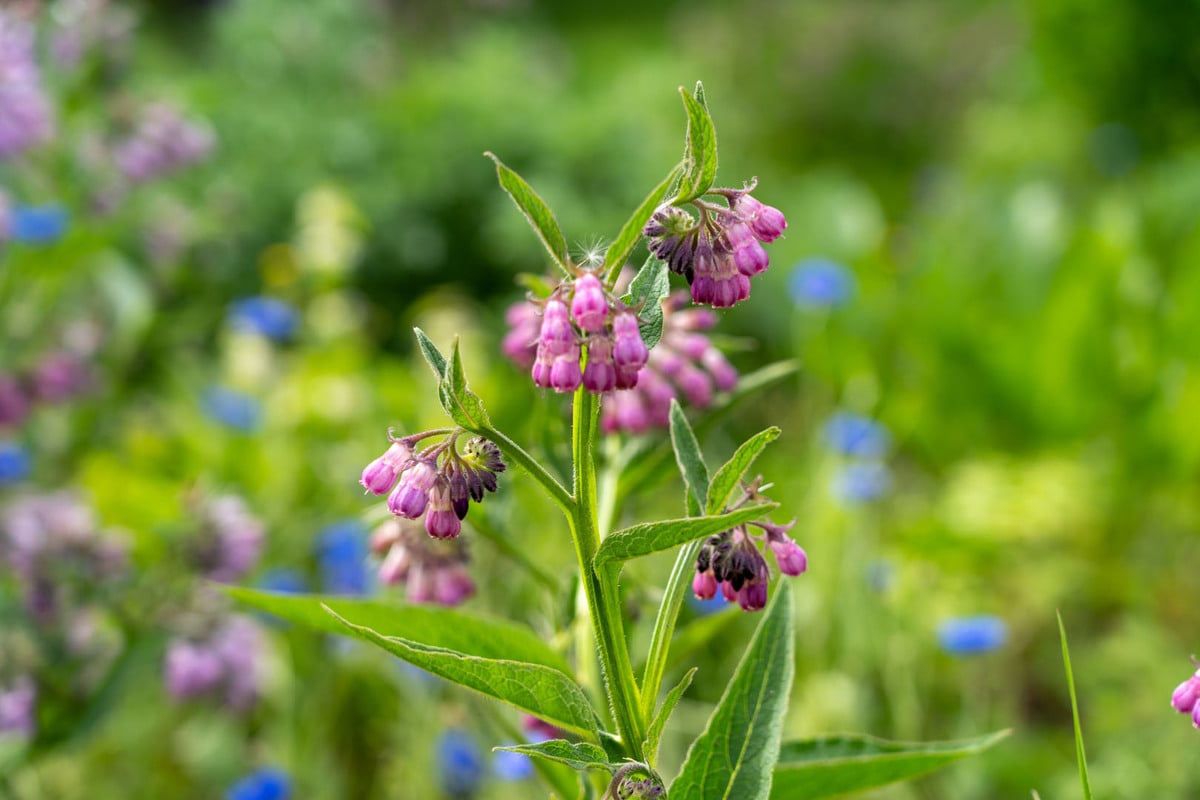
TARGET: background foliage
(1007,192)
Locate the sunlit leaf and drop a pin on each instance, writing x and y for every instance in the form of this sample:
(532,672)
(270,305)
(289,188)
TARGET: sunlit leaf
(726,480)
(734,756)
(580,755)
(652,537)
(540,218)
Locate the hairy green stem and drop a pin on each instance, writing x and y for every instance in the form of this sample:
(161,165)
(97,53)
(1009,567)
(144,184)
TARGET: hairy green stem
(600,586)
(664,626)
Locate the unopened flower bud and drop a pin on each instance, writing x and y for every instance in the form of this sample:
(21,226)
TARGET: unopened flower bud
(440,521)
(379,476)
(565,376)
(790,557)
(411,494)
(629,351)
(600,374)
(589,307)
(767,222)
(704,586)
(557,336)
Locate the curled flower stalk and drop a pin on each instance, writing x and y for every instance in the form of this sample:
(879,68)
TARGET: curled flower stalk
(720,249)
(437,482)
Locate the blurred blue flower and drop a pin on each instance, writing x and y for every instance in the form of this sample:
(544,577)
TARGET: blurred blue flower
(821,283)
(512,766)
(460,764)
(342,553)
(855,435)
(964,636)
(706,607)
(37,224)
(14,463)
(861,482)
(284,581)
(265,316)
(232,408)
(267,783)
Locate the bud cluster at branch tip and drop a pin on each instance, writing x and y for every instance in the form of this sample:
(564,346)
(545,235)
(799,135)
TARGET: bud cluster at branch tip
(721,249)
(732,561)
(580,316)
(437,482)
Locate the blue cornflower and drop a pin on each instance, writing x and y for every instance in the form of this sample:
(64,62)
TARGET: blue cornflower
(460,764)
(232,408)
(267,783)
(861,481)
(14,463)
(37,224)
(965,636)
(821,283)
(342,553)
(855,435)
(512,766)
(265,316)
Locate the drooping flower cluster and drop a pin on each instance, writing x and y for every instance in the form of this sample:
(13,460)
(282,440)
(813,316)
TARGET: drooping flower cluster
(684,365)
(163,142)
(229,541)
(438,482)
(221,660)
(582,315)
(1186,698)
(732,562)
(721,250)
(53,546)
(56,377)
(433,571)
(26,117)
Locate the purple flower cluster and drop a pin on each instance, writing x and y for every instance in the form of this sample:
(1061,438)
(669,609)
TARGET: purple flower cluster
(432,570)
(54,548)
(26,117)
(230,539)
(732,561)
(18,708)
(684,365)
(57,377)
(720,251)
(223,661)
(1186,698)
(162,142)
(438,482)
(579,317)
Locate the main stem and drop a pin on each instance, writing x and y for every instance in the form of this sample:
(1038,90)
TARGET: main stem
(600,587)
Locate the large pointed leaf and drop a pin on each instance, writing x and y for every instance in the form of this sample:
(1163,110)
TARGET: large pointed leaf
(726,480)
(471,634)
(651,537)
(535,689)
(690,460)
(732,759)
(836,765)
(580,755)
(540,217)
(700,149)
(655,731)
(618,252)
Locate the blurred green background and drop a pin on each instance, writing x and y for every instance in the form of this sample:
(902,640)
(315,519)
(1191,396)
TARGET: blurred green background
(1010,191)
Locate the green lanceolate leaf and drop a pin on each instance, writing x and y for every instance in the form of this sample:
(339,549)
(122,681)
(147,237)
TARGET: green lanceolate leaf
(580,755)
(690,460)
(463,405)
(659,723)
(726,480)
(646,293)
(618,252)
(1080,755)
(835,765)
(700,152)
(732,759)
(533,688)
(434,357)
(471,634)
(536,211)
(652,537)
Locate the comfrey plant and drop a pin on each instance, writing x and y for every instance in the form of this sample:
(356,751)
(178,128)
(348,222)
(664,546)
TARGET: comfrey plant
(626,357)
